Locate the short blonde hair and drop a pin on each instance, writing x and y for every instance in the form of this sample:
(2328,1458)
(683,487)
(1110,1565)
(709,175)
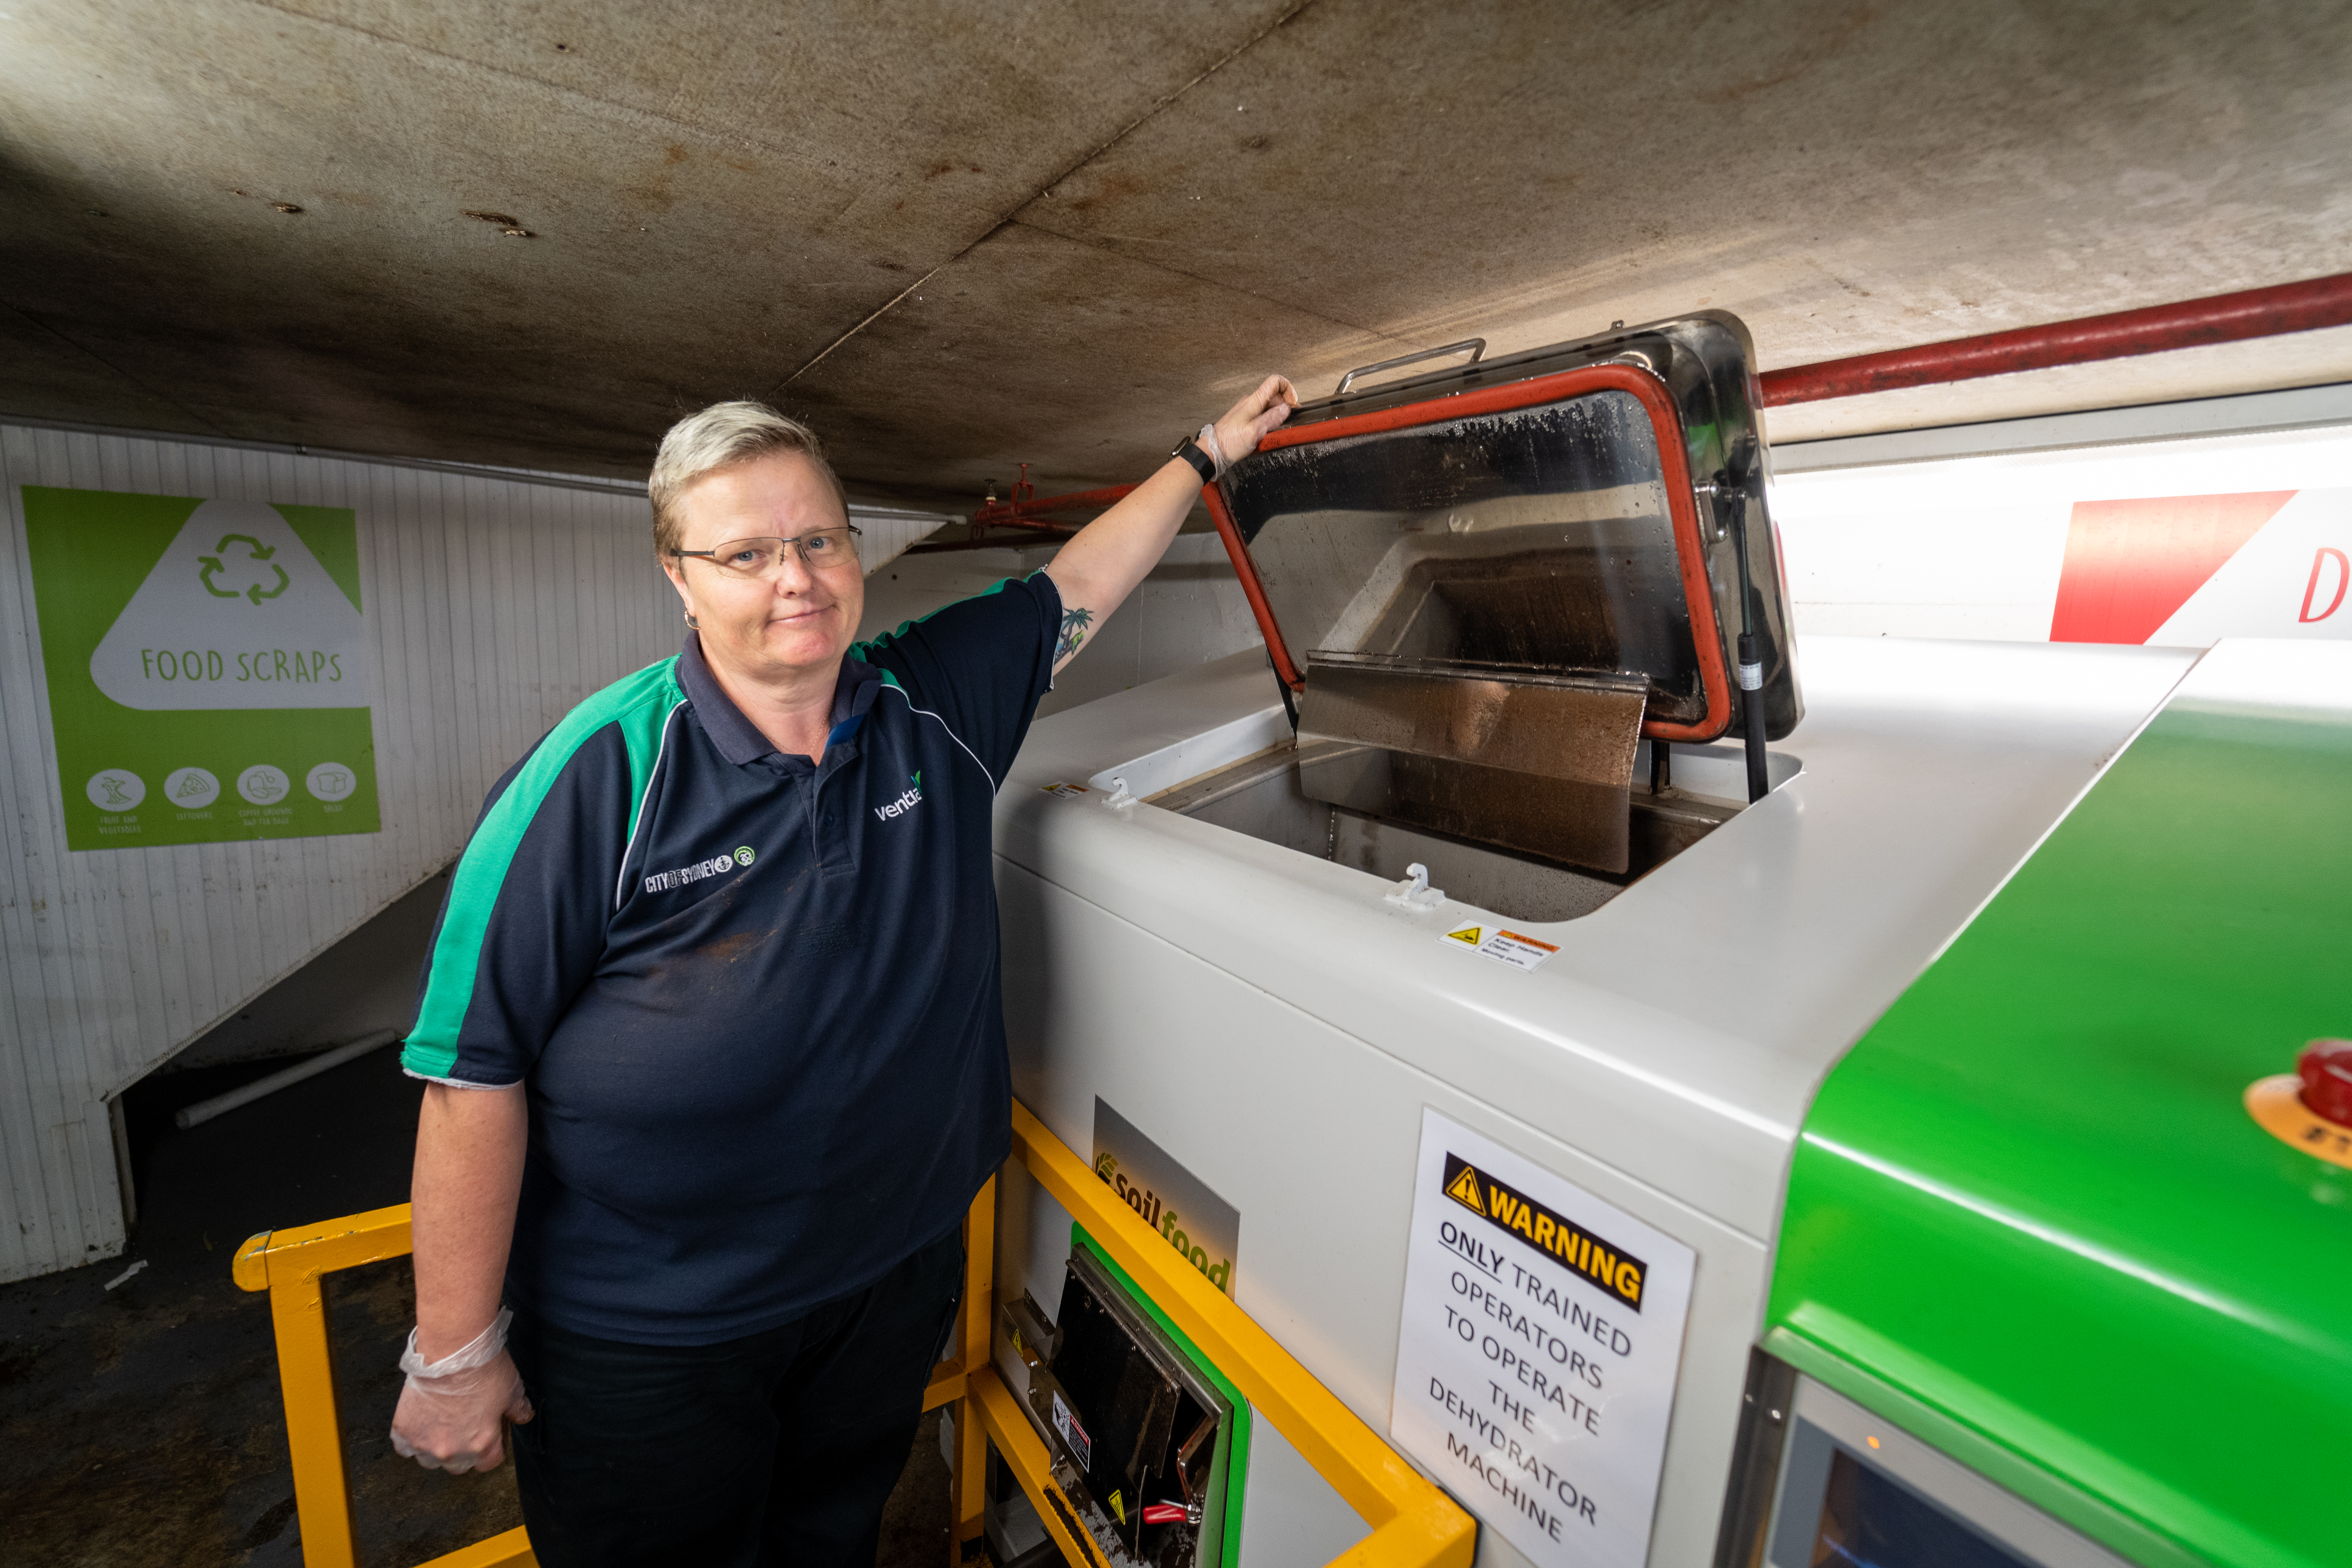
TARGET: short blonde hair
(718,437)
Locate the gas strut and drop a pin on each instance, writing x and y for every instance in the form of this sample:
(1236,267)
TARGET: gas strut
(1733,498)
(1283,686)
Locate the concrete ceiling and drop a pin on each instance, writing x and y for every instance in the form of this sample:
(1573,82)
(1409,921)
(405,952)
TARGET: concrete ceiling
(956,236)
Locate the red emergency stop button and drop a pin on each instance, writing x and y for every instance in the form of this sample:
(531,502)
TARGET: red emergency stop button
(2325,1069)
(2310,1109)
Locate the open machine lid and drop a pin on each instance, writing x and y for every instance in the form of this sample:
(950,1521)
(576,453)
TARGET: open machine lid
(1570,514)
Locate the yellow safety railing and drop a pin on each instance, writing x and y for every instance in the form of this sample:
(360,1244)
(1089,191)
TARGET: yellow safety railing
(292,1266)
(1414,1525)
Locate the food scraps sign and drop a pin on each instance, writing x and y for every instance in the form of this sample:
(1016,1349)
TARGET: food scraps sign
(208,667)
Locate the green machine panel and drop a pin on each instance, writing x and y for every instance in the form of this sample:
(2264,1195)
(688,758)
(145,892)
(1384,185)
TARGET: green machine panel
(2031,1218)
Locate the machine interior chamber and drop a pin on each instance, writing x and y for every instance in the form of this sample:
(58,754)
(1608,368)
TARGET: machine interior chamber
(1262,795)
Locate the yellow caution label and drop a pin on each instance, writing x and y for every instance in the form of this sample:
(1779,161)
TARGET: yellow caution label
(1511,1211)
(1515,948)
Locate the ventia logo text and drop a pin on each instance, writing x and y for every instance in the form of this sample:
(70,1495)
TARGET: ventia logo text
(905,802)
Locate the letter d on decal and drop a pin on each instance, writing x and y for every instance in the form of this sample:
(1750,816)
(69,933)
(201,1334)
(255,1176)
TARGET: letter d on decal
(2319,560)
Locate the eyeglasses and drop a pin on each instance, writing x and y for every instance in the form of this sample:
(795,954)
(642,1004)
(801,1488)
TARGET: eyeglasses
(823,550)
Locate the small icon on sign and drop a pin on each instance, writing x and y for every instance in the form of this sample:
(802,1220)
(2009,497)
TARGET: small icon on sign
(332,782)
(246,568)
(115,789)
(262,783)
(745,856)
(191,789)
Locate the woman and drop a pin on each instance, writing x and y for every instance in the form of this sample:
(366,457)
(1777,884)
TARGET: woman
(712,1029)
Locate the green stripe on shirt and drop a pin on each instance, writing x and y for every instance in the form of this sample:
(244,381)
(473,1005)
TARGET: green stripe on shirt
(641,705)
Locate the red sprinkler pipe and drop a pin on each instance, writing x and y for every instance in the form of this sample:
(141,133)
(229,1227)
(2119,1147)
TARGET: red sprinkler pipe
(1024,508)
(1027,510)
(2190,324)
(1023,513)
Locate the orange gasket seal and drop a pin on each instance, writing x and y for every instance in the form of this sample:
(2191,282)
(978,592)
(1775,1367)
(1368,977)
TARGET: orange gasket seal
(2276,1105)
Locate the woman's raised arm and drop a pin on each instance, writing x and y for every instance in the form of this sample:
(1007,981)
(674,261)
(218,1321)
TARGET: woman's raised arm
(1097,571)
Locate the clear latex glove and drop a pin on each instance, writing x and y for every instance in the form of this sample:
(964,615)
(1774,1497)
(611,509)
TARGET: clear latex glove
(1247,423)
(453,1411)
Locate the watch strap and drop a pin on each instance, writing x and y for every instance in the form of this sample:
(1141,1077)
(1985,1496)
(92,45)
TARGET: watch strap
(1203,464)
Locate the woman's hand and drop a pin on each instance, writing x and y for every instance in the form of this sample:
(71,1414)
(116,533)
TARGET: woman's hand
(454,1412)
(1245,424)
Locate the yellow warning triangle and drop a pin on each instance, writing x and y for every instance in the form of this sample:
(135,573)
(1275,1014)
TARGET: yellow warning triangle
(1469,936)
(1464,1190)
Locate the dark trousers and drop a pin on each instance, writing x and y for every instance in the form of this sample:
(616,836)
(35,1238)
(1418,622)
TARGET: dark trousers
(777,1450)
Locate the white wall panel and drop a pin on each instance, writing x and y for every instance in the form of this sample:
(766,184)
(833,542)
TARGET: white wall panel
(1190,610)
(1977,545)
(495,605)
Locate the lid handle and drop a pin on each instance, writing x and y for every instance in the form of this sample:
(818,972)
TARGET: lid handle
(1474,347)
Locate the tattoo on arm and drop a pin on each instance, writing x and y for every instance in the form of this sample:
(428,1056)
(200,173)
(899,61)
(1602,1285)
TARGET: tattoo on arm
(1075,622)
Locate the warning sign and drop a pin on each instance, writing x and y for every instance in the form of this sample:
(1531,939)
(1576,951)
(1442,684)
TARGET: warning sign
(1518,950)
(1510,1211)
(1538,1352)
(1065,1422)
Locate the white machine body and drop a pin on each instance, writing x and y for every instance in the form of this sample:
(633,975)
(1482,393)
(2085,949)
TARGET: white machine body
(1278,1024)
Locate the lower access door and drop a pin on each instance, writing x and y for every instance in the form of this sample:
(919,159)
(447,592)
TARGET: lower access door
(1128,1424)
(1149,1441)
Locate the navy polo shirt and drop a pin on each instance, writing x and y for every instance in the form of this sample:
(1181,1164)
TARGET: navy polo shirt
(754,1002)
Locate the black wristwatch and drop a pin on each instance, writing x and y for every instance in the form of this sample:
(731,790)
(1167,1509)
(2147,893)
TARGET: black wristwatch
(1203,464)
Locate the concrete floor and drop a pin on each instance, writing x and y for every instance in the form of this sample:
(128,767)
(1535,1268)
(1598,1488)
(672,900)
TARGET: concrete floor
(142,1425)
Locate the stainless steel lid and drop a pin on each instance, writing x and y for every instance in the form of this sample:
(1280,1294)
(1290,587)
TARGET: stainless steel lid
(1566,513)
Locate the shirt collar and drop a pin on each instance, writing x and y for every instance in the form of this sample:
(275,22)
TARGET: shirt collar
(737,739)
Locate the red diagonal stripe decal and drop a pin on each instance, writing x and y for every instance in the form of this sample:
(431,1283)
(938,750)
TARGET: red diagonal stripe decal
(2131,564)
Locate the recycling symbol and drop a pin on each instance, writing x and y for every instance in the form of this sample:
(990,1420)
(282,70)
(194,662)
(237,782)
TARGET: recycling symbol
(237,611)
(256,556)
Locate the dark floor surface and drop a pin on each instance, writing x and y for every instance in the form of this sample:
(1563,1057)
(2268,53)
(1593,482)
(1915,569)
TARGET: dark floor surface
(142,1425)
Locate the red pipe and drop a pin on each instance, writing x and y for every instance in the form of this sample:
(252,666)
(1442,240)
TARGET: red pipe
(1018,513)
(2217,319)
